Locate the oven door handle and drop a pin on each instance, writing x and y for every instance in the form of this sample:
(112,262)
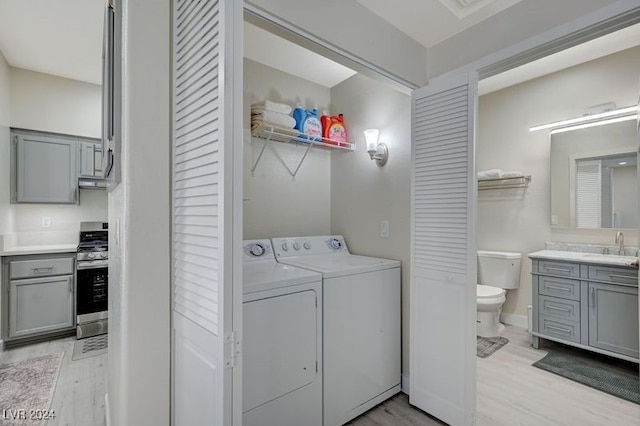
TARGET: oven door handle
(94,264)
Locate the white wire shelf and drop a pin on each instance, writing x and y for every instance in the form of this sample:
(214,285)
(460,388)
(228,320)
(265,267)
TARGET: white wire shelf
(504,183)
(272,133)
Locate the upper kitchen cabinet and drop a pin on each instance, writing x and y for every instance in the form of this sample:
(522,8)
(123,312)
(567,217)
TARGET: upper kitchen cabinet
(45,168)
(90,160)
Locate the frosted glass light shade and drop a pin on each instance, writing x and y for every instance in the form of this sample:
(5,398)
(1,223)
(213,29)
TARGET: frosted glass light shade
(371,137)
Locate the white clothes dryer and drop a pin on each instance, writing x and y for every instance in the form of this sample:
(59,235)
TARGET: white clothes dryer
(361,323)
(282,341)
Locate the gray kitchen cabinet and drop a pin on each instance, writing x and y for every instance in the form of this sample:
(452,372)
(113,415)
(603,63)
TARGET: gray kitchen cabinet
(40,305)
(44,168)
(90,160)
(40,296)
(591,306)
(613,318)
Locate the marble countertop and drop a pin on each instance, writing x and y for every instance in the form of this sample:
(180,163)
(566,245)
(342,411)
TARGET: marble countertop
(572,256)
(54,248)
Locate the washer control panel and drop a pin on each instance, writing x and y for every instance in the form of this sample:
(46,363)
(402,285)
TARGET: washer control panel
(257,250)
(303,246)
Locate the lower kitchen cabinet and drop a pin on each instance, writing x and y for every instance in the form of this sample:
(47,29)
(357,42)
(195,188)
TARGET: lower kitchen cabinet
(40,305)
(40,296)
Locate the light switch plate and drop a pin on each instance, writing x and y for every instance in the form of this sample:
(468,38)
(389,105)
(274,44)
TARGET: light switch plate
(554,220)
(384,229)
(46,222)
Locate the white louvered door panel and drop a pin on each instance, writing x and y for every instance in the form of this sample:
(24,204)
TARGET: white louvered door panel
(588,194)
(206,71)
(443,254)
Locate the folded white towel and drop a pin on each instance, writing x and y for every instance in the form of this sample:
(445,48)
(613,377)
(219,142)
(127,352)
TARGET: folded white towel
(273,106)
(275,118)
(506,175)
(489,174)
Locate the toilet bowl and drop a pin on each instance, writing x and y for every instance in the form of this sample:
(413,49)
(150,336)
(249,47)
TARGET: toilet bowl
(489,305)
(497,271)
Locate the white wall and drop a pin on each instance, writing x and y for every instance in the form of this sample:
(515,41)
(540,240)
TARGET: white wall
(139,212)
(55,104)
(6,214)
(363,194)
(355,29)
(50,104)
(519,220)
(276,205)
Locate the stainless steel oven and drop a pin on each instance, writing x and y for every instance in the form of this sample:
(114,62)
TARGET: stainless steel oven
(92,280)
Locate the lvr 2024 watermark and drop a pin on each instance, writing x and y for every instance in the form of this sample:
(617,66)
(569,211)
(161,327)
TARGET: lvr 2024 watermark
(21,414)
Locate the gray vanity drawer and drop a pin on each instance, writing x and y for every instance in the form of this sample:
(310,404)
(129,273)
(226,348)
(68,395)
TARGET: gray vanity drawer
(613,275)
(559,287)
(40,267)
(568,310)
(559,269)
(554,327)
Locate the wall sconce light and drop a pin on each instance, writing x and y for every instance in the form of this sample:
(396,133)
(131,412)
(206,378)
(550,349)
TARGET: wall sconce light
(377,151)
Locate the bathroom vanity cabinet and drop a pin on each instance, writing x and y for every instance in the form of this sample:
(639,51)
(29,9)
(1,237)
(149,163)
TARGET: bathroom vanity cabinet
(593,306)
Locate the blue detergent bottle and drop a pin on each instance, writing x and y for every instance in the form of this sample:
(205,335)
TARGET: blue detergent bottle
(308,123)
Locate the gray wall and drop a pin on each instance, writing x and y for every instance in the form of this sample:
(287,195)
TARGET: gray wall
(6,216)
(363,194)
(519,220)
(275,204)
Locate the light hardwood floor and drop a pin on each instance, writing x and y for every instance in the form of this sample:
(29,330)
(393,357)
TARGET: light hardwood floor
(510,392)
(78,399)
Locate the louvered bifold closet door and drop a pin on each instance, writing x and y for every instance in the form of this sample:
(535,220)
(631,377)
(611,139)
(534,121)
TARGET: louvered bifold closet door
(443,250)
(202,139)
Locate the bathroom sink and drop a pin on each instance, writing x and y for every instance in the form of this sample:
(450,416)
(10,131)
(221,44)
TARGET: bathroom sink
(610,259)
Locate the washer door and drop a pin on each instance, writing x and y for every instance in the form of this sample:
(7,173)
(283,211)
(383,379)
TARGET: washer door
(280,342)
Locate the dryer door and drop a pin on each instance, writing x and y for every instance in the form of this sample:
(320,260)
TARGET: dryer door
(281,350)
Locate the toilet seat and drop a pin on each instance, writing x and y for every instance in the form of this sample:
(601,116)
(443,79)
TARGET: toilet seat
(488,292)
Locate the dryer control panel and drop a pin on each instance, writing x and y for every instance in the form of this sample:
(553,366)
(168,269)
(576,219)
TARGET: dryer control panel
(257,250)
(305,246)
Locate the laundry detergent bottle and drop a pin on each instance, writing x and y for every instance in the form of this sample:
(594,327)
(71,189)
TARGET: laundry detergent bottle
(308,123)
(336,131)
(325,120)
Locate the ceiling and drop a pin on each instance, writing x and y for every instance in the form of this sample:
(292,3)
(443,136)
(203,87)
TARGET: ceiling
(431,21)
(63,38)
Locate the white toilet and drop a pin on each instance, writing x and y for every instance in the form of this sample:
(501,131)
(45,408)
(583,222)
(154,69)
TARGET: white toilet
(497,271)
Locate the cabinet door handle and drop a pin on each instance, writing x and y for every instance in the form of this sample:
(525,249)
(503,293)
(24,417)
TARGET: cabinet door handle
(564,330)
(592,290)
(40,271)
(552,268)
(567,310)
(555,287)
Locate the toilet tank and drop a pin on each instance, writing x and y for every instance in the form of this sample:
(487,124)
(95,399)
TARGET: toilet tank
(499,269)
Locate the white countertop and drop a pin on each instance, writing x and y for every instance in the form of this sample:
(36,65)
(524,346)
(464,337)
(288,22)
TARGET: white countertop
(54,248)
(573,256)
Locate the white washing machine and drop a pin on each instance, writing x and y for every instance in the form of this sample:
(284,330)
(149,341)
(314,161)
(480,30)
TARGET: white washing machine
(361,323)
(282,340)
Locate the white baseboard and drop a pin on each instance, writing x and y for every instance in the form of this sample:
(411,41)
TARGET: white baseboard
(517,320)
(405,384)
(107,410)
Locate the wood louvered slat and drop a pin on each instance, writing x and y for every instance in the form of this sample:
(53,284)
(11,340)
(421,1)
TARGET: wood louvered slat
(196,169)
(441,181)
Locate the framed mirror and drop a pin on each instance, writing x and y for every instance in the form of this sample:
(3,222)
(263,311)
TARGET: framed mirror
(594,177)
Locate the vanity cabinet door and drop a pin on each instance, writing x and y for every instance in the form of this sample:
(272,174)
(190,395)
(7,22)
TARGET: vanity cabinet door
(613,318)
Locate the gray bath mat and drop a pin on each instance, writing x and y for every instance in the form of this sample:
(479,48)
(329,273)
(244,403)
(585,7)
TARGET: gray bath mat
(91,346)
(611,375)
(488,345)
(27,387)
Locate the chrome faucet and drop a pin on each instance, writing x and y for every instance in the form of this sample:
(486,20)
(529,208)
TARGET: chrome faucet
(620,242)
